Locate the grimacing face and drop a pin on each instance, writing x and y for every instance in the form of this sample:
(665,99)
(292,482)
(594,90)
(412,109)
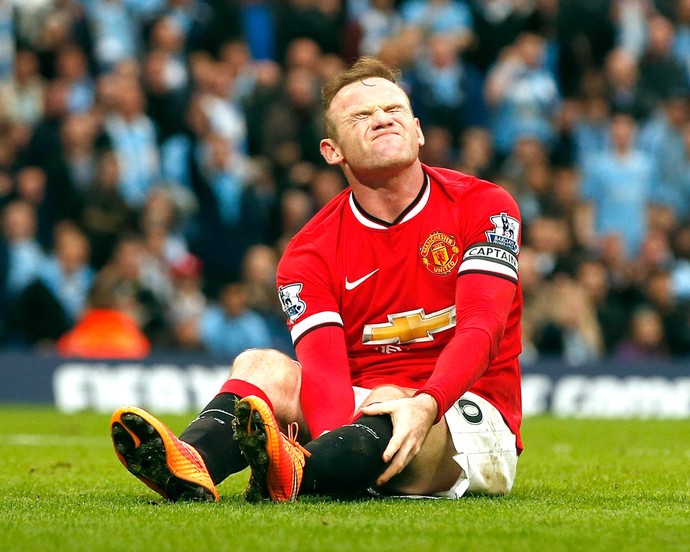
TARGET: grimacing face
(375,127)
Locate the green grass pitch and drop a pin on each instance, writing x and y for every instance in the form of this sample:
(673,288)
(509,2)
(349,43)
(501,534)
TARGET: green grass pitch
(619,485)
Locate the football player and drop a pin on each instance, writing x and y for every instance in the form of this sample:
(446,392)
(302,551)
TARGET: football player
(404,305)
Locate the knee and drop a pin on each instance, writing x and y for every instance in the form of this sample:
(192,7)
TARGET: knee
(272,371)
(253,361)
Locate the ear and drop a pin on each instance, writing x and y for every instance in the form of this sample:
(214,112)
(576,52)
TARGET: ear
(420,135)
(331,152)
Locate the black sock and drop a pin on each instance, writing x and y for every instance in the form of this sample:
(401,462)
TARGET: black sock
(347,460)
(212,435)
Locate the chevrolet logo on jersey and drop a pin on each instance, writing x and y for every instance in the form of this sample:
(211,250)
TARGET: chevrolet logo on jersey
(413,326)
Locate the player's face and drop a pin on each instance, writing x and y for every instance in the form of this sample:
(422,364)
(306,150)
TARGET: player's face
(375,128)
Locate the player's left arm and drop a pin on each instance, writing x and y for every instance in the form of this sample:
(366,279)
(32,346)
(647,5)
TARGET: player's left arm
(485,293)
(485,290)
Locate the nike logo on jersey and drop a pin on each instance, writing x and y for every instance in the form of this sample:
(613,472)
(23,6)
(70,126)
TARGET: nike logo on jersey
(349,286)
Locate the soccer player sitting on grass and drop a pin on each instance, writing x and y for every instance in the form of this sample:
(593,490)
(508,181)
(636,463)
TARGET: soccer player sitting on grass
(403,303)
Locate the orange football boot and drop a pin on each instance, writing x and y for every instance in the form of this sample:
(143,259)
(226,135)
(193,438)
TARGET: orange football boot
(152,453)
(277,461)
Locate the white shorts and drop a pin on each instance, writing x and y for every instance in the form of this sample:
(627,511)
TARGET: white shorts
(485,446)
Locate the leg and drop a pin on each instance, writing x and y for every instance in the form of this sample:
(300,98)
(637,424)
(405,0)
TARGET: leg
(471,450)
(347,460)
(280,378)
(266,373)
(207,452)
(433,469)
(151,452)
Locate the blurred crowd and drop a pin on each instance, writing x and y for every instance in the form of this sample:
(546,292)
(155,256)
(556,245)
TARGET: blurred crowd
(157,155)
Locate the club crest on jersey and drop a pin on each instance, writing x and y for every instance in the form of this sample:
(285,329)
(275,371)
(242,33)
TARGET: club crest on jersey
(505,232)
(439,253)
(292,304)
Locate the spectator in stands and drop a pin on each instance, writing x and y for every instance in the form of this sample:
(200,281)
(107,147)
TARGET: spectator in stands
(258,27)
(611,310)
(73,69)
(188,301)
(31,186)
(325,184)
(162,247)
(565,322)
(24,254)
(429,17)
(681,41)
(378,22)
(522,94)
(105,215)
(532,281)
(292,125)
(258,275)
(135,141)
(591,129)
(445,91)
(619,184)
(477,153)
(23,95)
(527,152)
(623,89)
(82,140)
(662,137)
(221,177)
(229,327)
(645,337)
(551,240)
(680,272)
(166,92)
(296,208)
(54,301)
(323,22)
(438,147)
(223,111)
(498,23)
(141,288)
(630,20)
(660,70)
(105,330)
(196,21)
(116,33)
(167,37)
(45,138)
(675,313)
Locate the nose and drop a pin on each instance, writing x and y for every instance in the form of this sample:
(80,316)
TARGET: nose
(381,118)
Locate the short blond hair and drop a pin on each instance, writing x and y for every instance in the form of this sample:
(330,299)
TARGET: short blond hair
(365,67)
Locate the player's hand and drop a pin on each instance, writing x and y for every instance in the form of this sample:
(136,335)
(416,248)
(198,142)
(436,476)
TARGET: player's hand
(412,419)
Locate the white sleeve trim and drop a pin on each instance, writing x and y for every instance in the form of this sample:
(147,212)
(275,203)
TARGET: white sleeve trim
(480,265)
(318,319)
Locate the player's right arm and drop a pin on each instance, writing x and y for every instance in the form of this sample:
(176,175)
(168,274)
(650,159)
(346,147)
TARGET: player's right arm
(316,329)
(327,398)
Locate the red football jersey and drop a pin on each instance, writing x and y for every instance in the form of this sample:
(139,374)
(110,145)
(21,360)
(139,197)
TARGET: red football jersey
(393,289)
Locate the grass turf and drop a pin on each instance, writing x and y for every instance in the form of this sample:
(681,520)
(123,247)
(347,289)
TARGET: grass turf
(582,485)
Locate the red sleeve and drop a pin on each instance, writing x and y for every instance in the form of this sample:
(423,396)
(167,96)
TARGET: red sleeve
(483,304)
(327,397)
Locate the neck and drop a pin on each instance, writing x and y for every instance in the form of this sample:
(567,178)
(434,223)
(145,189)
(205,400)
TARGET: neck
(385,196)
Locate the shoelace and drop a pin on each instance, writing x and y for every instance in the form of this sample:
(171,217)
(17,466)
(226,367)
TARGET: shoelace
(293,431)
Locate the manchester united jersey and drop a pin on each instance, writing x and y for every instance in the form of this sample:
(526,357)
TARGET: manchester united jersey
(392,287)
